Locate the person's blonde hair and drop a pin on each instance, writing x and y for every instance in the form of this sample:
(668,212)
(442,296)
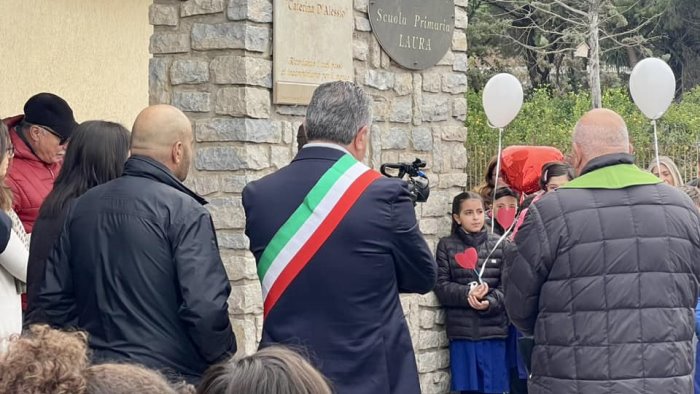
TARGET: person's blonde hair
(672,168)
(272,370)
(44,360)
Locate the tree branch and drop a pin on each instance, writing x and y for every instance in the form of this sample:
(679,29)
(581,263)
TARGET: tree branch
(571,9)
(558,16)
(541,50)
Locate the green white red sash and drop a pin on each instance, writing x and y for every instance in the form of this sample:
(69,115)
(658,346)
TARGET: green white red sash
(303,234)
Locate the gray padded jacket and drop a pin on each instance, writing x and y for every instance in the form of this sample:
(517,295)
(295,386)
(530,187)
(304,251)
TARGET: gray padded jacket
(604,274)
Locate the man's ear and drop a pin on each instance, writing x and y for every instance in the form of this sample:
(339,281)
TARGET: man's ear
(361,139)
(576,158)
(177,152)
(33,133)
(630,148)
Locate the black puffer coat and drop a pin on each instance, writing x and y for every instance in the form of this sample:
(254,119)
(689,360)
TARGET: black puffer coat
(605,274)
(462,321)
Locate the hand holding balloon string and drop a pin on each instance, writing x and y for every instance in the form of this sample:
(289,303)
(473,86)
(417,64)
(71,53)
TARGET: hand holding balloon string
(476,296)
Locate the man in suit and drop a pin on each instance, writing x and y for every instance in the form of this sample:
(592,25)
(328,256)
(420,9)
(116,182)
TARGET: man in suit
(335,244)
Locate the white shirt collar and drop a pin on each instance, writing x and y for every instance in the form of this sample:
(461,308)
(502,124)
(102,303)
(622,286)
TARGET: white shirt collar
(326,145)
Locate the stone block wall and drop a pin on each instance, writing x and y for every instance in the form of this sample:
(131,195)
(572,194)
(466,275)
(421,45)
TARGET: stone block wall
(213,60)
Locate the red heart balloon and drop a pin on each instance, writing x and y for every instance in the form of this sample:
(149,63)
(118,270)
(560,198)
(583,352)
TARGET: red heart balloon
(467,259)
(521,166)
(505,217)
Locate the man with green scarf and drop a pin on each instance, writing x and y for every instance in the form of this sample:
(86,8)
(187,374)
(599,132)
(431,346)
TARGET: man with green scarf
(604,274)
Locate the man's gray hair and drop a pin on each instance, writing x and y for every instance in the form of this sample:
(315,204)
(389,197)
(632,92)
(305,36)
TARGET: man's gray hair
(337,111)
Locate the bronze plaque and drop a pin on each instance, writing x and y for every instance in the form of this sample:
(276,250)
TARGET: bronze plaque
(414,33)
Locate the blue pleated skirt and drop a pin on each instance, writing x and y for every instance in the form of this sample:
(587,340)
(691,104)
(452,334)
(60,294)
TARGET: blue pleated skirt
(515,359)
(480,366)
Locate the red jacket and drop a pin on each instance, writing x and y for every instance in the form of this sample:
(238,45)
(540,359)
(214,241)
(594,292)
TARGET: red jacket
(30,179)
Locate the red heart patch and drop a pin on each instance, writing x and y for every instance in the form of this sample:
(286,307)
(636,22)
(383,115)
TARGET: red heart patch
(467,259)
(505,217)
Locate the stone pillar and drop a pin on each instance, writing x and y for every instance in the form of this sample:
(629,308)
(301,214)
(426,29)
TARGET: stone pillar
(213,60)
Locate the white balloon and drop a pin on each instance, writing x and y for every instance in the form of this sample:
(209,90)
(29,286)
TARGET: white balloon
(503,98)
(653,86)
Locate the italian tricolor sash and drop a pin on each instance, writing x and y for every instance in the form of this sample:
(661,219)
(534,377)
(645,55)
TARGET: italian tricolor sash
(303,234)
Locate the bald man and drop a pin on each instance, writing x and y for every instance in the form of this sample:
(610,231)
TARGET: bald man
(137,265)
(604,274)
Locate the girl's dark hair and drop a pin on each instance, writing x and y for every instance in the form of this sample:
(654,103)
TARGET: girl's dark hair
(552,169)
(506,192)
(487,187)
(5,192)
(457,206)
(273,369)
(488,176)
(95,155)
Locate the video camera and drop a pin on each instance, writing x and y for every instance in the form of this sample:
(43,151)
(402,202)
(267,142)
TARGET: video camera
(418,183)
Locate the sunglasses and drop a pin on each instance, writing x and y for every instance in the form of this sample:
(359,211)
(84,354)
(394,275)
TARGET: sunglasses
(62,140)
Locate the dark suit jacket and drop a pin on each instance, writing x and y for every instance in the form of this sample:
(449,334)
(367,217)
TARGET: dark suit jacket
(343,309)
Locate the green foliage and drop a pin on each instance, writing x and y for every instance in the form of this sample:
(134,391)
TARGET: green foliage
(543,120)
(548,119)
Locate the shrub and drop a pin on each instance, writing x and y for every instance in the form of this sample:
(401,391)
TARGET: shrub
(548,119)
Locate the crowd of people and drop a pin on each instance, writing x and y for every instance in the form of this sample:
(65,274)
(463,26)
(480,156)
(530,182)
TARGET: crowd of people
(587,285)
(578,279)
(125,289)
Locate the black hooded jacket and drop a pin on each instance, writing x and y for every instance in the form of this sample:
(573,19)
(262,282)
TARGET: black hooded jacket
(137,266)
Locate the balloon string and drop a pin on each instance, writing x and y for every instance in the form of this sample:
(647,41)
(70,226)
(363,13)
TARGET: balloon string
(656,147)
(495,183)
(505,235)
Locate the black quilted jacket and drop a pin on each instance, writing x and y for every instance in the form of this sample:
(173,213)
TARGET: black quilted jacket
(462,321)
(605,275)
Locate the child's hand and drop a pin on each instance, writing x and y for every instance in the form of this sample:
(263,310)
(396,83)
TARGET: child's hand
(476,304)
(480,291)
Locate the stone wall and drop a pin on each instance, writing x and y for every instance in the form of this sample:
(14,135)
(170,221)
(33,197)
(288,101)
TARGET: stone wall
(213,60)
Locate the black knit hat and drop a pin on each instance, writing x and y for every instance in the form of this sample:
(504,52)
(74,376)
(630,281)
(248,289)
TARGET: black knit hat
(49,110)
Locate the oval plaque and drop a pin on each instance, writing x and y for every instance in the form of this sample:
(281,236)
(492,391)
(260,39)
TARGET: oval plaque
(414,33)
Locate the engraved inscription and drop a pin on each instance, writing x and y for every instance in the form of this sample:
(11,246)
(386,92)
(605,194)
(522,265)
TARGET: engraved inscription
(312,45)
(414,33)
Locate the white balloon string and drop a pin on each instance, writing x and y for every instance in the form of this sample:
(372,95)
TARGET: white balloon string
(495,183)
(656,148)
(486,260)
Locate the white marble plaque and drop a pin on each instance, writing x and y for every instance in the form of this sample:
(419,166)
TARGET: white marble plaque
(312,44)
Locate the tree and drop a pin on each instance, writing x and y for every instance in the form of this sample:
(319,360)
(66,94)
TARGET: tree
(562,26)
(679,42)
(548,33)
